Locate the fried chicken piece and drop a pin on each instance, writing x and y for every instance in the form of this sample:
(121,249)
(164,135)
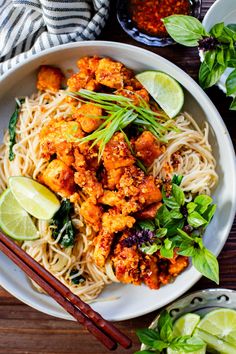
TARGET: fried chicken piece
(116,200)
(149,193)
(113,177)
(175,268)
(88,117)
(130,181)
(149,271)
(113,222)
(87,180)
(92,214)
(112,73)
(82,80)
(79,159)
(88,65)
(90,154)
(59,178)
(117,153)
(147,148)
(58,135)
(49,78)
(149,212)
(103,243)
(126,263)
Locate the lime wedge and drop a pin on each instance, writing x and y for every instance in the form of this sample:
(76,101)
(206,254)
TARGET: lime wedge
(222,324)
(35,198)
(14,220)
(165,90)
(185,325)
(214,344)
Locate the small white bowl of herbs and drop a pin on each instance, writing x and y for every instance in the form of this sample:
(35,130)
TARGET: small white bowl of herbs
(217,46)
(199,323)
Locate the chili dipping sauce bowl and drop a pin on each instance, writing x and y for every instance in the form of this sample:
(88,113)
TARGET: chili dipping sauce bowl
(124,17)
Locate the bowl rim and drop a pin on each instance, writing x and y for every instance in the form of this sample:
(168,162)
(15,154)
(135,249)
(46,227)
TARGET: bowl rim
(186,79)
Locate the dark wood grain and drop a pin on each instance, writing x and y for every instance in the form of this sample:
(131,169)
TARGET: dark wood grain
(24,330)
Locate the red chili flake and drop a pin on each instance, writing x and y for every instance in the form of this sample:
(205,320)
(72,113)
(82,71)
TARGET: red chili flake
(147,14)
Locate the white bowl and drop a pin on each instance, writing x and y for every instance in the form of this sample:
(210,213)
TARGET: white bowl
(132,301)
(221,11)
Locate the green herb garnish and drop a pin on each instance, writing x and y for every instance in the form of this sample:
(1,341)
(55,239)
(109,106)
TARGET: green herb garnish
(218,46)
(162,337)
(120,112)
(12,127)
(76,279)
(62,225)
(179,226)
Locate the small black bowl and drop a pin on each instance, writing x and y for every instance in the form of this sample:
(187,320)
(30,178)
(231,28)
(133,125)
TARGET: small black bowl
(123,16)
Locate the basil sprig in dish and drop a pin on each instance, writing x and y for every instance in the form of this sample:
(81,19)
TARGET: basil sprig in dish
(218,46)
(178,228)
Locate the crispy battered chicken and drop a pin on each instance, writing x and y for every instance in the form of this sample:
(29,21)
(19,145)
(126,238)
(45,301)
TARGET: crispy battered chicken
(102,249)
(92,214)
(117,153)
(112,73)
(112,222)
(49,78)
(88,117)
(87,180)
(147,148)
(59,178)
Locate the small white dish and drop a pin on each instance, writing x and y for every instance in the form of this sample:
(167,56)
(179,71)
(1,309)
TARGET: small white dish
(129,301)
(221,11)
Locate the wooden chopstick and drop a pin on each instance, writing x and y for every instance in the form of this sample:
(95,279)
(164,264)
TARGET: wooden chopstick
(104,331)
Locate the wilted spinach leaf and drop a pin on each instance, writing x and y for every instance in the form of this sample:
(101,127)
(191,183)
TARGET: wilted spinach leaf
(63,225)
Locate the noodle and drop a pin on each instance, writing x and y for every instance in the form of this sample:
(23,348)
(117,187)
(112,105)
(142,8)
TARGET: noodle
(189,145)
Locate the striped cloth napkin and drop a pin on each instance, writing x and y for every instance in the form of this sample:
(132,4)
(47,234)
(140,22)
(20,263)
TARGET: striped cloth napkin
(27,27)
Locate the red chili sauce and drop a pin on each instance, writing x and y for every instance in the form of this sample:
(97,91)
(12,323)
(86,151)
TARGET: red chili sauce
(147,14)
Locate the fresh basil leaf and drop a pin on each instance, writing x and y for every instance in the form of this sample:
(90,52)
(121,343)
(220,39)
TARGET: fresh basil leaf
(191,206)
(12,127)
(206,263)
(144,352)
(184,235)
(231,83)
(232,26)
(177,179)
(186,250)
(208,78)
(217,29)
(196,220)
(63,225)
(163,215)
(161,232)
(199,242)
(233,105)
(231,63)
(178,194)
(167,253)
(160,345)
(150,249)
(220,56)
(209,58)
(165,326)
(176,214)
(227,36)
(171,202)
(186,30)
(147,225)
(202,201)
(173,225)
(208,214)
(148,336)
(187,344)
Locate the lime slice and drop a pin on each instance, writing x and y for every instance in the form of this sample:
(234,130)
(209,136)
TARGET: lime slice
(185,325)
(14,220)
(35,198)
(214,344)
(165,90)
(222,324)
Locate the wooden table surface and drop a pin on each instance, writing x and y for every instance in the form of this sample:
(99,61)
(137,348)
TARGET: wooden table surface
(24,330)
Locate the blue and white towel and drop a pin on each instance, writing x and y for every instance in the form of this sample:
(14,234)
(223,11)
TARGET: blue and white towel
(27,27)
